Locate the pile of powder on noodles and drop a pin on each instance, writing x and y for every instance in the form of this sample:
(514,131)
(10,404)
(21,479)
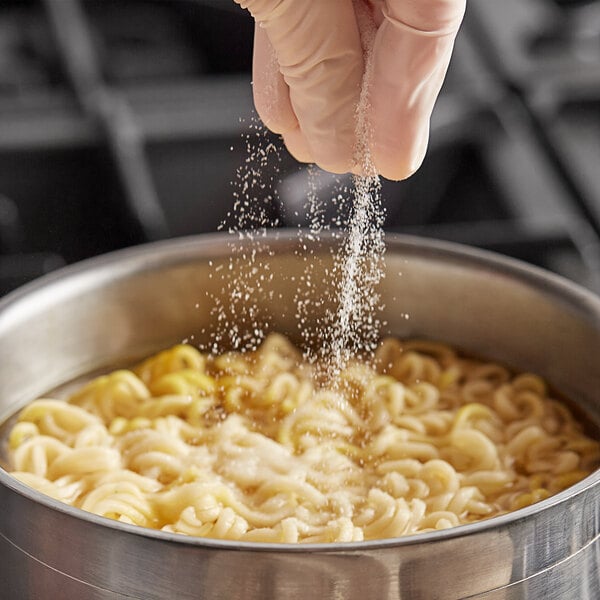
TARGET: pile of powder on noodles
(245,446)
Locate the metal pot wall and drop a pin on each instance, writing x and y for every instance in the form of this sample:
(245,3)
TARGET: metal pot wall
(116,308)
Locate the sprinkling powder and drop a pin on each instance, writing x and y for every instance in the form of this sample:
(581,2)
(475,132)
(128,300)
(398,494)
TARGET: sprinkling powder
(240,324)
(353,327)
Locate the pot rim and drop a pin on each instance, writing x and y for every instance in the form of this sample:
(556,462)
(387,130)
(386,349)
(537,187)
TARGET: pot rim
(166,251)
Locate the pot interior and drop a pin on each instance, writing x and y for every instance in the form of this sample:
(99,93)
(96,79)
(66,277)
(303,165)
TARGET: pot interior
(108,312)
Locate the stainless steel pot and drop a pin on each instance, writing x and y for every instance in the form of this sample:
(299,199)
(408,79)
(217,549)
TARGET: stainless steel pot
(118,307)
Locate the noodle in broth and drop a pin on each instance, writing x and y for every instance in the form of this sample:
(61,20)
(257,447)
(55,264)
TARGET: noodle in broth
(246,446)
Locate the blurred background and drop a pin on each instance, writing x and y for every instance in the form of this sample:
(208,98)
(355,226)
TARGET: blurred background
(123,121)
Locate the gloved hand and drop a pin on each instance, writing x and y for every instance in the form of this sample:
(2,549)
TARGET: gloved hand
(308,72)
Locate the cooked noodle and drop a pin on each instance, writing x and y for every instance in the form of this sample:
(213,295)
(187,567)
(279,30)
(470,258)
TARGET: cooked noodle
(248,447)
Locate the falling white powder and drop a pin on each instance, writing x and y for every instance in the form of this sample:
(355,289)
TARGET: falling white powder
(355,328)
(308,297)
(315,210)
(240,324)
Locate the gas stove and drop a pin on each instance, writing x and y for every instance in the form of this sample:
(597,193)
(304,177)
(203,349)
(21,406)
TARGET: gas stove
(123,121)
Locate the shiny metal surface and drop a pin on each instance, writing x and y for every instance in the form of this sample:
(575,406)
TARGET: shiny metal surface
(111,309)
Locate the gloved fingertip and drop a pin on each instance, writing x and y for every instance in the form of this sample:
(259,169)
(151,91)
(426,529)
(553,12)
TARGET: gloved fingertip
(396,172)
(271,93)
(334,156)
(337,168)
(272,103)
(297,145)
(395,166)
(398,157)
(278,122)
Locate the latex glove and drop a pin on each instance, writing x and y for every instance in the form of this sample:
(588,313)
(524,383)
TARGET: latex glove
(309,66)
